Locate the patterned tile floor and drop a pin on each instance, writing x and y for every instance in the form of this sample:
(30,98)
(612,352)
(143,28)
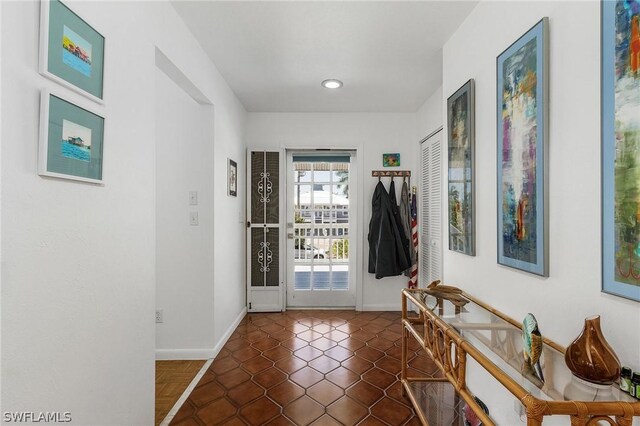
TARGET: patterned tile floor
(308,367)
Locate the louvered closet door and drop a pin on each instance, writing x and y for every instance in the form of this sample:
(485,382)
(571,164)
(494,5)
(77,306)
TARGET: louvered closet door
(431,201)
(264,236)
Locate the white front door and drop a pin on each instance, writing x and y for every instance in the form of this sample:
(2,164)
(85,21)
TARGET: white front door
(264,236)
(321,243)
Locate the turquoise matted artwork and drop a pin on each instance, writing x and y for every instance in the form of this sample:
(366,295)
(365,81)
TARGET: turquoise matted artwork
(72,51)
(71,140)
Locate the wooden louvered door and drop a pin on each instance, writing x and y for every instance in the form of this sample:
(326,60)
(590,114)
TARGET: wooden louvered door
(264,233)
(431,211)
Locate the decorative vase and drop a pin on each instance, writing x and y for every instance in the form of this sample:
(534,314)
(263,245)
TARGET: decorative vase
(590,357)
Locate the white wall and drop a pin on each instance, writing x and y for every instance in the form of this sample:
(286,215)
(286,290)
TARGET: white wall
(374,134)
(429,116)
(572,291)
(184,253)
(78,294)
(1,259)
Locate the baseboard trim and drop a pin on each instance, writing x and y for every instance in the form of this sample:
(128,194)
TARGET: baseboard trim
(183,354)
(200,353)
(382,307)
(229,332)
(321,308)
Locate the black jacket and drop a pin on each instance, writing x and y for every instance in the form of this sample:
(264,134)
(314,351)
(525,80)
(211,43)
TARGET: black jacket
(387,255)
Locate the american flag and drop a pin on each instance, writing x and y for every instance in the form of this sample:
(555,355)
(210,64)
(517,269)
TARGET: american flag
(413,278)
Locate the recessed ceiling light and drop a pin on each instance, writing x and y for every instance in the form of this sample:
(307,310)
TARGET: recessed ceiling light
(332,83)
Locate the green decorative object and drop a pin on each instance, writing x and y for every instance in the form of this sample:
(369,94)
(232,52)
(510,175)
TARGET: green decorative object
(532,344)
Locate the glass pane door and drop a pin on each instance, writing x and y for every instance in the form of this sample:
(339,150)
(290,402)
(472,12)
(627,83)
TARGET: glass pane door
(319,259)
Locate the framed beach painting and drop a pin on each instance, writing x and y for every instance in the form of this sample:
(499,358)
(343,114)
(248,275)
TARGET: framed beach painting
(71,140)
(621,148)
(232,177)
(461,156)
(522,110)
(71,50)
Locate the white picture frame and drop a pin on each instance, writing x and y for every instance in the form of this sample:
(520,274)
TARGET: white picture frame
(48,124)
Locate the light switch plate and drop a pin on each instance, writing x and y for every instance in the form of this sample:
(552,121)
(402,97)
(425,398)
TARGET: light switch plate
(193,198)
(193,218)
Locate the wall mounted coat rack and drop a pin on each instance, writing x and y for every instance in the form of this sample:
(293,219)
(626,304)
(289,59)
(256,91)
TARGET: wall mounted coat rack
(391,173)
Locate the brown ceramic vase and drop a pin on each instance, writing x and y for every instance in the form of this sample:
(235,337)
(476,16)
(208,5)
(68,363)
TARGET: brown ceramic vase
(590,357)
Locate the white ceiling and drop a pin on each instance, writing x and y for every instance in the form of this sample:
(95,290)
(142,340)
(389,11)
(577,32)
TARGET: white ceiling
(274,54)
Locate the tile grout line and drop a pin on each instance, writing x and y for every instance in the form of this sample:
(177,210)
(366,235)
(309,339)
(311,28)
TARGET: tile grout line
(185,395)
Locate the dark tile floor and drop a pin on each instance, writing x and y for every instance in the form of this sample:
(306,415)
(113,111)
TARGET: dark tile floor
(308,367)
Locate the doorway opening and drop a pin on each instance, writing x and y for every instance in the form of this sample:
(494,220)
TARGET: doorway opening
(320,229)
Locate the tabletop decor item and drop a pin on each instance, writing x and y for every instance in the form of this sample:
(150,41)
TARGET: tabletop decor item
(589,356)
(71,50)
(461,156)
(71,140)
(470,417)
(532,344)
(620,117)
(522,110)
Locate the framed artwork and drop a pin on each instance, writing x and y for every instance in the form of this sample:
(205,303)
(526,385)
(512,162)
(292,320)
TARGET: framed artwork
(522,110)
(71,50)
(621,148)
(71,140)
(232,178)
(390,160)
(461,155)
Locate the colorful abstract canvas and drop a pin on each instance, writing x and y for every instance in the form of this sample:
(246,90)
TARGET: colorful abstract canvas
(390,160)
(621,148)
(521,121)
(461,134)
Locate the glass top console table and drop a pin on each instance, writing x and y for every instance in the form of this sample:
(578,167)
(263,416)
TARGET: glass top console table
(450,331)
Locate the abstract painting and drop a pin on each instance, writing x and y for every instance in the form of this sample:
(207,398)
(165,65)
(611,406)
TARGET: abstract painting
(71,50)
(461,132)
(71,140)
(621,148)
(390,160)
(522,134)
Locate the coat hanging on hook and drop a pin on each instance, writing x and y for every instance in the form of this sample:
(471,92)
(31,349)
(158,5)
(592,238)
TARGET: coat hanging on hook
(387,256)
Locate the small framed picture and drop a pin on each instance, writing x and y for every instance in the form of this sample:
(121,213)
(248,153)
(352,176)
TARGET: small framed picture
(390,160)
(232,178)
(71,140)
(71,50)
